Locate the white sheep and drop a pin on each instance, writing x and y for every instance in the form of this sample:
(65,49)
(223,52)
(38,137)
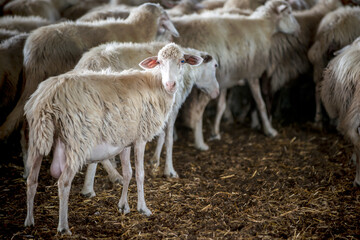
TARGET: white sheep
(284,47)
(340,93)
(101,14)
(91,116)
(120,56)
(241,44)
(336,30)
(23,24)
(55,49)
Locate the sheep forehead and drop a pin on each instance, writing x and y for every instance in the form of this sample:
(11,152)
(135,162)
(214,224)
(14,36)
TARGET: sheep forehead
(170,51)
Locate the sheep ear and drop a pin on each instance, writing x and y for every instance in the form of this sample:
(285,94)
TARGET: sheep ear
(193,60)
(341,50)
(281,8)
(149,63)
(206,58)
(166,23)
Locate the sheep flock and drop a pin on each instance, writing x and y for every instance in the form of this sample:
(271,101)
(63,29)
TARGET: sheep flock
(84,82)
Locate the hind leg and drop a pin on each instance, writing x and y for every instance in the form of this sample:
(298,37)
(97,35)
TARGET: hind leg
(33,164)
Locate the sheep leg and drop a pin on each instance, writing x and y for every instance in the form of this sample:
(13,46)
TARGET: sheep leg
(139,168)
(64,186)
(24,147)
(34,164)
(221,106)
(155,160)
(357,177)
(88,187)
(199,136)
(169,170)
(256,92)
(318,113)
(114,175)
(127,174)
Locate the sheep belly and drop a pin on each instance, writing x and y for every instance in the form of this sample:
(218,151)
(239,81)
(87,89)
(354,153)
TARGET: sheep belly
(104,151)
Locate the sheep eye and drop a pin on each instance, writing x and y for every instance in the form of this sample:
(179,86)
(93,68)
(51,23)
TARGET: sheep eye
(157,62)
(216,65)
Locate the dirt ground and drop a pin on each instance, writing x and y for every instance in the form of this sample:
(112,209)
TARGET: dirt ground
(248,186)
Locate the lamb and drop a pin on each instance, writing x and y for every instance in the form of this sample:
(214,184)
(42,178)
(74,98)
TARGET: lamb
(55,49)
(91,116)
(336,30)
(120,56)
(340,94)
(226,38)
(23,24)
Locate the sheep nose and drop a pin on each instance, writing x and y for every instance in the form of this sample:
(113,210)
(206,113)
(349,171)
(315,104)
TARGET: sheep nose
(170,85)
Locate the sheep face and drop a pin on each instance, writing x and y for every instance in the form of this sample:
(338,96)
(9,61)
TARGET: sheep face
(208,82)
(164,23)
(170,61)
(286,21)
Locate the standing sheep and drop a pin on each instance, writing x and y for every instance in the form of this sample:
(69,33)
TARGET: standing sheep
(336,30)
(92,116)
(241,44)
(6,34)
(120,56)
(340,93)
(55,49)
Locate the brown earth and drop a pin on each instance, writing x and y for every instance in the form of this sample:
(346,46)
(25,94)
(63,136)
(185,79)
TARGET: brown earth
(248,186)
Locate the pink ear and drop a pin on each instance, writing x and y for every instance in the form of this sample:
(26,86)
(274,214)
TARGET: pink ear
(149,63)
(193,60)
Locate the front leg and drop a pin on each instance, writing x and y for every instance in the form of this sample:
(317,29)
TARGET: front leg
(127,173)
(256,92)
(220,109)
(139,168)
(169,170)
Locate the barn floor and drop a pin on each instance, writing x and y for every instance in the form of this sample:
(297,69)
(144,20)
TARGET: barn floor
(298,185)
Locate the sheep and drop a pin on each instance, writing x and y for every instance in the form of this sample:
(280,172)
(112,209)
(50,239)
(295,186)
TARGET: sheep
(244,4)
(23,24)
(81,8)
(55,49)
(184,7)
(113,12)
(241,45)
(6,34)
(48,9)
(340,94)
(213,4)
(120,56)
(41,8)
(336,30)
(91,116)
(11,58)
(284,47)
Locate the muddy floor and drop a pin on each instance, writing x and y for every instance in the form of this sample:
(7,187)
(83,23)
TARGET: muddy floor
(248,186)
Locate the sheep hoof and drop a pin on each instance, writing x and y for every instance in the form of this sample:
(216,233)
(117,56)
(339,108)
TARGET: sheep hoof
(202,147)
(117,180)
(154,162)
(271,133)
(171,174)
(64,231)
(29,222)
(215,137)
(88,194)
(124,209)
(145,211)
(356,184)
